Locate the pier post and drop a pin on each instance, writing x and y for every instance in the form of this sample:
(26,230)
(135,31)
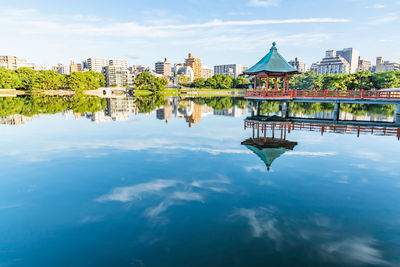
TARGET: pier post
(258,108)
(285,109)
(252,108)
(397,113)
(336,111)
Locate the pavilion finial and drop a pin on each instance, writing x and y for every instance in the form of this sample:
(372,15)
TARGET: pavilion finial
(274,44)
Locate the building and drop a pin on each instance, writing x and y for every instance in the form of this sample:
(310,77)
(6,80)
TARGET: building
(183,71)
(364,65)
(333,64)
(352,56)
(118,76)
(118,62)
(298,65)
(13,63)
(232,70)
(163,68)
(194,64)
(314,66)
(61,69)
(384,66)
(75,67)
(206,72)
(95,64)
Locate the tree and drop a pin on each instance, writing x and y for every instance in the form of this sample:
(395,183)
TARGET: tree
(8,79)
(183,80)
(147,81)
(47,80)
(199,83)
(82,81)
(240,82)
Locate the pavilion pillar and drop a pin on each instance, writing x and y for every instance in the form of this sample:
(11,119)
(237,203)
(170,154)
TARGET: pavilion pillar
(284,83)
(255,82)
(336,111)
(259,83)
(397,113)
(276,83)
(287,83)
(267,82)
(285,109)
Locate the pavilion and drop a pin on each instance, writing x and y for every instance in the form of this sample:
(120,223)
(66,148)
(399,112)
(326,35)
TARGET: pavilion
(268,149)
(273,65)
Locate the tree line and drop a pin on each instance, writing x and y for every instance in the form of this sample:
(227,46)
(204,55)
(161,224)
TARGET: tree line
(363,80)
(36,81)
(217,82)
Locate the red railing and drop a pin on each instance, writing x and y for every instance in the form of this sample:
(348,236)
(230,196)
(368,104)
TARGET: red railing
(312,127)
(323,94)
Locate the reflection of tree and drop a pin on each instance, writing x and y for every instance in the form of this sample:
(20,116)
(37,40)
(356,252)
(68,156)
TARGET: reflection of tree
(269,107)
(148,103)
(42,104)
(217,103)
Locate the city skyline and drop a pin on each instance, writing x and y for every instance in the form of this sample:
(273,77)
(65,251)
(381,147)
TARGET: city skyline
(219,32)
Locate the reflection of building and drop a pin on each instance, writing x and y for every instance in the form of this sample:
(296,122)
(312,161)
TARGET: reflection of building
(234,111)
(298,65)
(195,64)
(15,119)
(119,109)
(164,113)
(232,70)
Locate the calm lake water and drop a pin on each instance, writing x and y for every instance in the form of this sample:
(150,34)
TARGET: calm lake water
(176,187)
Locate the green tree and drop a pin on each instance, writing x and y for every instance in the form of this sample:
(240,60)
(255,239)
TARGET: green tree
(47,80)
(240,82)
(83,81)
(149,82)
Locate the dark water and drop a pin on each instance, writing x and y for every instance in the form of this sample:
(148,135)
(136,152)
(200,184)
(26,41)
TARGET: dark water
(175,187)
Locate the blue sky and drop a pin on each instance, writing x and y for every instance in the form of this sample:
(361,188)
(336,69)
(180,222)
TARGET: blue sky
(217,31)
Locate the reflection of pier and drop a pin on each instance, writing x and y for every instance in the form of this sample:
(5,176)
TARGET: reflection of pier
(262,124)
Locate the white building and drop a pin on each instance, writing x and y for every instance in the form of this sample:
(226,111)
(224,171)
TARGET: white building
(232,70)
(352,56)
(333,64)
(13,63)
(384,66)
(206,72)
(95,64)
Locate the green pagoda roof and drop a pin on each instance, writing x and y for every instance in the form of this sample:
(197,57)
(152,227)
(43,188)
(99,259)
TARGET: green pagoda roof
(272,63)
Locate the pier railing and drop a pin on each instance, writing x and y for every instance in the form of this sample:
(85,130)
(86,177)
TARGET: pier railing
(315,127)
(363,94)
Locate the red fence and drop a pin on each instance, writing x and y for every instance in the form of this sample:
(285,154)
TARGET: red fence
(313,127)
(324,94)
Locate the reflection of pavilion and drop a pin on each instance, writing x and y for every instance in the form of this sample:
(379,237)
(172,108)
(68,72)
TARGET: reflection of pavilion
(268,149)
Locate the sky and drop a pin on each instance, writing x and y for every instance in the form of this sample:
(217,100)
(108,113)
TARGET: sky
(216,31)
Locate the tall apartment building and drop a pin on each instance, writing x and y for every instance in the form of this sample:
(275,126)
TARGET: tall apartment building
(298,65)
(163,68)
(352,56)
(364,65)
(232,70)
(118,76)
(13,63)
(206,72)
(195,64)
(333,64)
(75,67)
(384,66)
(95,64)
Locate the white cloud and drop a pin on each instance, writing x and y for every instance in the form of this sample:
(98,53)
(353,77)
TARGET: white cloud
(312,154)
(389,18)
(356,251)
(376,6)
(129,193)
(263,3)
